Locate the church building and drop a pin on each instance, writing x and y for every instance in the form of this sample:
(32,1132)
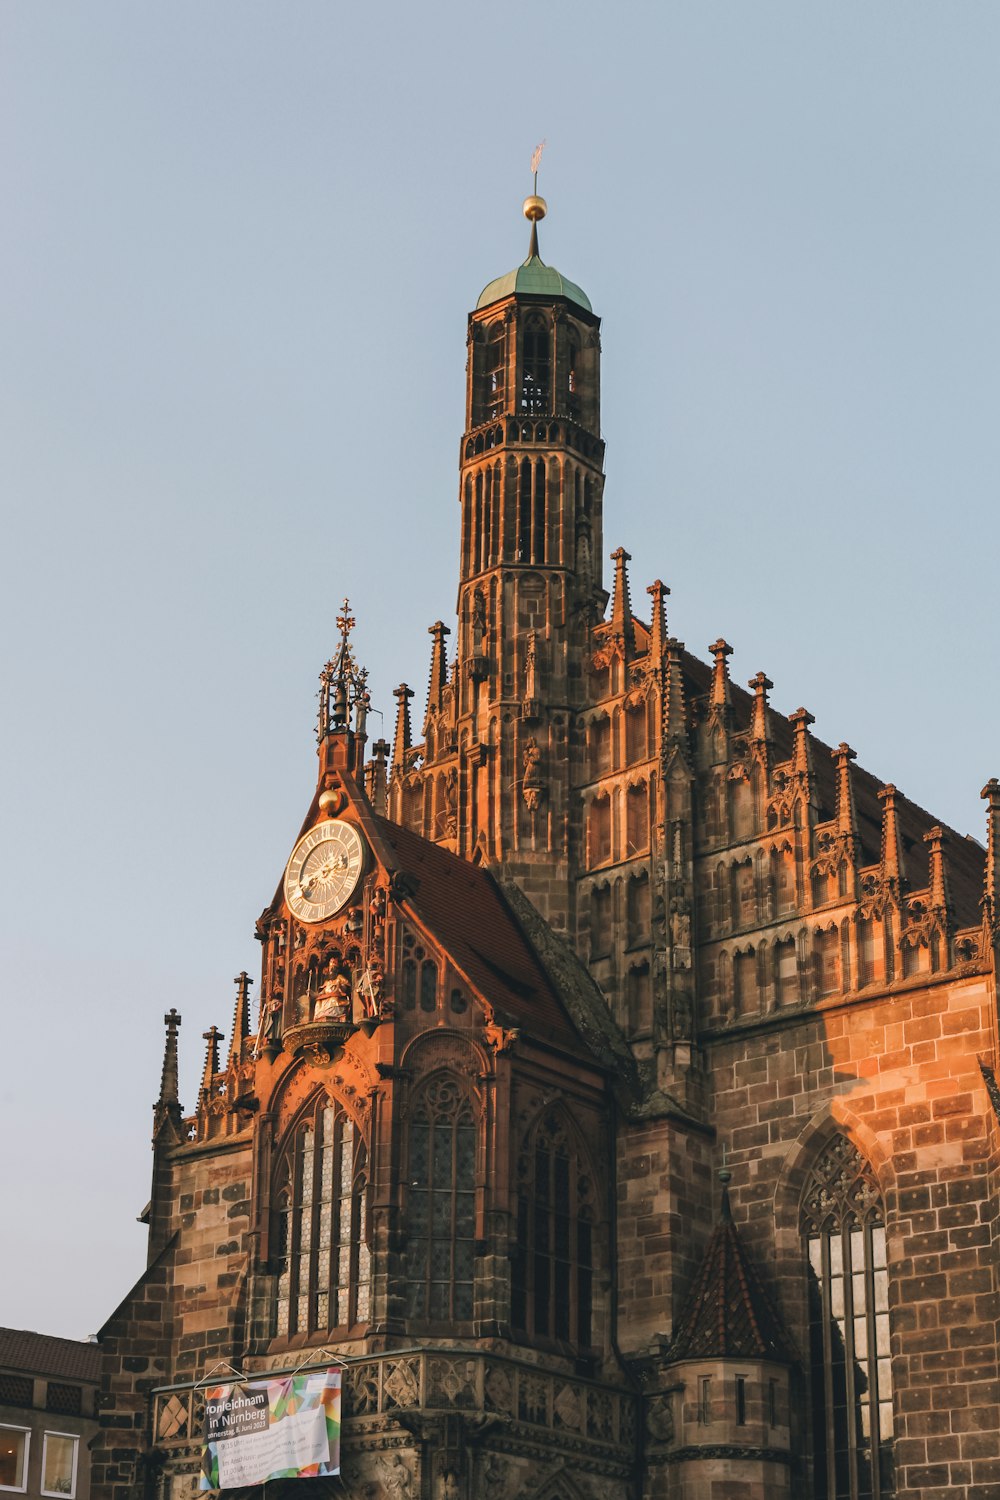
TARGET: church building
(616,1103)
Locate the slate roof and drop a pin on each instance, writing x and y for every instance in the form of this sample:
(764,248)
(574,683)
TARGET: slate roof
(467,913)
(728,1314)
(43,1354)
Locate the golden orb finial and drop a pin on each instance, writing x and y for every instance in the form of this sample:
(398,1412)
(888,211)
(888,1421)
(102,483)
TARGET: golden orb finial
(534,208)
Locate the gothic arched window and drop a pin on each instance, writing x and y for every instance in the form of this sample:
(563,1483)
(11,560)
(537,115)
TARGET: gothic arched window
(536,377)
(324,1265)
(496,359)
(553,1267)
(441,1202)
(844,1227)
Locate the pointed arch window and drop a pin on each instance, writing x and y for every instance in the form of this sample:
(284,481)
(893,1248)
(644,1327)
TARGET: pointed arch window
(553,1266)
(324,1263)
(441,1206)
(843,1224)
(536,367)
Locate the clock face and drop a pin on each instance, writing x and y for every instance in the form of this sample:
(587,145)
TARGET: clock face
(324,870)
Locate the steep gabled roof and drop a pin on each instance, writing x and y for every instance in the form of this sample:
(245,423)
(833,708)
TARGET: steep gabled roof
(728,1314)
(465,911)
(44,1354)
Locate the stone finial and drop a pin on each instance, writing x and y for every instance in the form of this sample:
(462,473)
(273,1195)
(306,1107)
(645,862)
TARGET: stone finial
(658,592)
(402,740)
(241,1016)
(377,778)
(621,604)
(675,726)
(439,666)
(721,695)
(892,848)
(938,874)
(168,1102)
(847,818)
(991,886)
(761,685)
(801,753)
(213,1036)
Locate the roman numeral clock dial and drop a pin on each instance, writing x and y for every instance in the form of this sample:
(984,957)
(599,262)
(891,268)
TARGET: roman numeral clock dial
(323,872)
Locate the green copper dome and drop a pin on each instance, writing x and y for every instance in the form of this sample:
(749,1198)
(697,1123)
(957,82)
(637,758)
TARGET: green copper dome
(536,279)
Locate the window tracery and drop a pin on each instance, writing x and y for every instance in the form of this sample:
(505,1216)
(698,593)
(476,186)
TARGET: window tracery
(441,1172)
(324,1263)
(553,1266)
(843,1224)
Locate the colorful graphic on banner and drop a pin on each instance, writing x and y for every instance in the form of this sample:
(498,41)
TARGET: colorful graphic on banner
(271,1429)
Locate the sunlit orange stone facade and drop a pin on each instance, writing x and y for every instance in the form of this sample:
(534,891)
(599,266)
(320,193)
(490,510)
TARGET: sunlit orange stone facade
(629,1128)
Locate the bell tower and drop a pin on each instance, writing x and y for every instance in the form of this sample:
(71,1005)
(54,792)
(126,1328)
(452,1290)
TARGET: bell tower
(530,489)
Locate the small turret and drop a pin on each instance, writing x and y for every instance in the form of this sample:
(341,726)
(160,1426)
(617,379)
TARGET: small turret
(892,848)
(847,817)
(721,695)
(241,1018)
(622,624)
(377,777)
(991,880)
(167,1114)
(761,685)
(439,667)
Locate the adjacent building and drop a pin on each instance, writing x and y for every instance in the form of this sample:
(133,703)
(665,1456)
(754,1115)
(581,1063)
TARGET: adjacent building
(48,1414)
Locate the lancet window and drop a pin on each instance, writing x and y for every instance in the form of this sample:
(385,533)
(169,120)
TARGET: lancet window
(536,366)
(324,1264)
(843,1224)
(496,359)
(553,1266)
(441,1173)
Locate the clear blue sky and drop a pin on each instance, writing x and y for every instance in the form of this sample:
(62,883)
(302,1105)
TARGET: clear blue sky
(238,247)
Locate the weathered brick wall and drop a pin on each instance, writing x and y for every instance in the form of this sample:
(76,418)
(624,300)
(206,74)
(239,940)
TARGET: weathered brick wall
(899,1074)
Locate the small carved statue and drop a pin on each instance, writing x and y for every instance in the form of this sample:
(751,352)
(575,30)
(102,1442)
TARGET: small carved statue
(532,784)
(333,1002)
(680,923)
(478,624)
(451,803)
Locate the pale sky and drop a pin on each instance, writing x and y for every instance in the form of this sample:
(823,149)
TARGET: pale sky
(238,247)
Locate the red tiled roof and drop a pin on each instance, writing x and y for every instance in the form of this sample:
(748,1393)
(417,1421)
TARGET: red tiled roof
(465,910)
(43,1354)
(728,1314)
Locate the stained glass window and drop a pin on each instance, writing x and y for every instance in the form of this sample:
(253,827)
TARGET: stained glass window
(844,1228)
(441,1177)
(553,1269)
(324,1264)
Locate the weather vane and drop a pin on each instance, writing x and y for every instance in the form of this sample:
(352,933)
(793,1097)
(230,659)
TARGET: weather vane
(536,161)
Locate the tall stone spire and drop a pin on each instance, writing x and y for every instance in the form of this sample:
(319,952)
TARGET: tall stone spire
(167,1109)
(241,1017)
(402,740)
(376,777)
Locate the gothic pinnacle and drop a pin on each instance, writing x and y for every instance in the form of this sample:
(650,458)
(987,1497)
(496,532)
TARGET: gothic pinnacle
(439,665)
(621,604)
(213,1036)
(402,739)
(800,721)
(991,886)
(937,872)
(169,1082)
(658,592)
(241,1016)
(720,649)
(675,727)
(892,849)
(847,822)
(761,685)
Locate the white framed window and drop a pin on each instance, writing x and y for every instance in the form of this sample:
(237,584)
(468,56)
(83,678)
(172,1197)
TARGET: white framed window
(14,1458)
(60,1451)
